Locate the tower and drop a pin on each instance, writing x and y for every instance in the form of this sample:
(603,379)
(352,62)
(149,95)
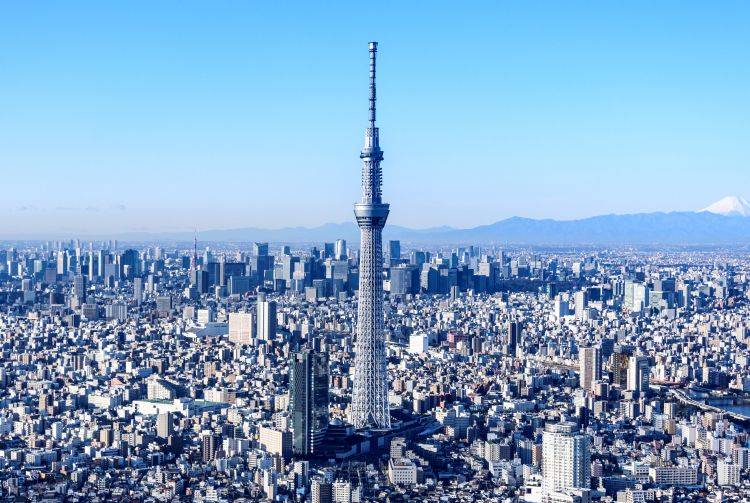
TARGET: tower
(370,396)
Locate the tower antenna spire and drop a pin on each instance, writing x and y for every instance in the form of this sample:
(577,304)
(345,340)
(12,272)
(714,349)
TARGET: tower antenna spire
(373,92)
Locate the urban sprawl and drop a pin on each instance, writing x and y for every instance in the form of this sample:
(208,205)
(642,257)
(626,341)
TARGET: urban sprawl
(164,373)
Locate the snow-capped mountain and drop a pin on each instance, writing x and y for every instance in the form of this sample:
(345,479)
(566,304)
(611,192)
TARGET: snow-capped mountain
(730,206)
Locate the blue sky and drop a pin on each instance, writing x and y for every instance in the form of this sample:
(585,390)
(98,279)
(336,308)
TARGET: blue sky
(123,116)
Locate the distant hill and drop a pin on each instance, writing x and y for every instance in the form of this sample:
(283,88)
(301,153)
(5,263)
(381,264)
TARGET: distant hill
(676,228)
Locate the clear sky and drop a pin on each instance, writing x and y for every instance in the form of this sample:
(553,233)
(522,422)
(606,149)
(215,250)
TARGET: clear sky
(126,116)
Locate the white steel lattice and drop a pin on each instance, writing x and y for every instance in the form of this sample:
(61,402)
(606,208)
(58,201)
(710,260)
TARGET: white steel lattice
(370,396)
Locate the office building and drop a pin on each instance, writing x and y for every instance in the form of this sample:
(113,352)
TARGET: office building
(266,318)
(242,328)
(308,400)
(340,250)
(164,425)
(394,250)
(590,359)
(638,373)
(138,290)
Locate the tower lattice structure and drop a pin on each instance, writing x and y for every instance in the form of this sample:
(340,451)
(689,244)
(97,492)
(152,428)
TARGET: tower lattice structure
(370,397)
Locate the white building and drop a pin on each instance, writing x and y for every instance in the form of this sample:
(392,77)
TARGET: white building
(402,471)
(242,328)
(266,312)
(727,473)
(205,316)
(342,492)
(418,343)
(566,458)
(674,475)
(275,441)
(639,370)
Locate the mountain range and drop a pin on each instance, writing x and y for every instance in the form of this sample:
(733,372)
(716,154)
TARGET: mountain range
(726,222)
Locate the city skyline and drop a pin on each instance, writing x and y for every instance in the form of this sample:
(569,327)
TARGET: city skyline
(455,353)
(134,125)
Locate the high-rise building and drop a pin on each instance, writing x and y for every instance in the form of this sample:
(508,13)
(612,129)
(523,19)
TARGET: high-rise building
(164,425)
(138,289)
(404,279)
(580,300)
(370,395)
(727,473)
(394,250)
(164,305)
(308,400)
(100,262)
(262,261)
(242,328)
(639,369)
(79,287)
(320,491)
(275,441)
(210,443)
(566,458)
(514,337)
(260,249)
(92,267)
(62,263)
(266,317)
(340,253)
(590,359)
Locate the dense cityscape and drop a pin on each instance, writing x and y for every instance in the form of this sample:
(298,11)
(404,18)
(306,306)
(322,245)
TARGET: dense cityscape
(162,373)
(386,370)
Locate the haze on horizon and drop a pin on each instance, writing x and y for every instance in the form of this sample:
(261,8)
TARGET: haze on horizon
(166,117)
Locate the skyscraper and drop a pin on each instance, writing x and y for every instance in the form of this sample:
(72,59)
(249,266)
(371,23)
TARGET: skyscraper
(138,290)
(590,359)
(514,337)
(92,267)
(266,318)
(566,458)
(308,400)
(79,287)
(370,396)
(394,251)
(341,252)
(638,373)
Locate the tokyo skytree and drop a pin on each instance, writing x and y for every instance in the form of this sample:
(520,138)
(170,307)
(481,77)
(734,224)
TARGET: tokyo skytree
(370,397)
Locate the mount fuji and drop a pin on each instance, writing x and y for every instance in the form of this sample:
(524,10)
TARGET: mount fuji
(730,206)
